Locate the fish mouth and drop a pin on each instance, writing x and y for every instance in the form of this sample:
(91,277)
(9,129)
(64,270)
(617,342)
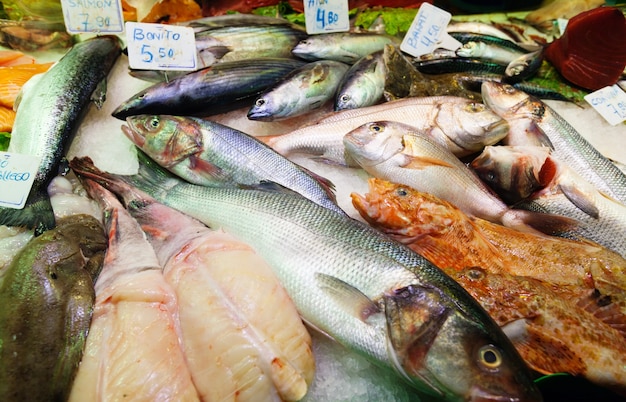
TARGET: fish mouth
(498,125)
(134,136)
(477,394)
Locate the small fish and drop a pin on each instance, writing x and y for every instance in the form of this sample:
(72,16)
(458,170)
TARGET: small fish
(387,152)
(458,64)
(211,154)
(211,90)
(47,297)
(363,83)
(371,294)
(523,67)
(346,47)
(47,115)
(490,52)
(304,89)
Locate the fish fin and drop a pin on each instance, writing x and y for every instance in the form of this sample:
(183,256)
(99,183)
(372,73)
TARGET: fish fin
(580,199)
(539,223)
(37,214)
(411,149)
(351,298)
(99,95)
(326,184)
(205,168)
(544,353)
(605,309)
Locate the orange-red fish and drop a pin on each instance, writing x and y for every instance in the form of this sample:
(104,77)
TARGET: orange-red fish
(12,78)
(7,117)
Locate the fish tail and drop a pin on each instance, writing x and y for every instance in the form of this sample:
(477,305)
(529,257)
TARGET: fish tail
(538,222)
(37,214)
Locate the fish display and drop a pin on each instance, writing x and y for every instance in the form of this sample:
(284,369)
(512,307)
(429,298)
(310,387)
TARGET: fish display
(47,296)
(134,334)
(368,292)
(346,47)
(48,113)
(384,150)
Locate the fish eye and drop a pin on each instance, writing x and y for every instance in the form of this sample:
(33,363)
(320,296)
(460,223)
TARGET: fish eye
(490,357)
(345,98)
(154,122)
(259,102)
(377,128)
(402,192)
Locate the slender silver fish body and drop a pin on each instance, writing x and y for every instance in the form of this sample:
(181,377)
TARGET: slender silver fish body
(47,115)
(465,126)
(304,89)
(211,154)
(570,147)
(492,52)
(367,291)
(347,47)
(363,84)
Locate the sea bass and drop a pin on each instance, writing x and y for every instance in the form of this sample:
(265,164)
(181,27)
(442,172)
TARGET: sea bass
(133,345)
(449,238)
(385,150)
(211,154)
(231,307)
(569,146)
(48,113)
(47,298)
(464,126)
(367,291)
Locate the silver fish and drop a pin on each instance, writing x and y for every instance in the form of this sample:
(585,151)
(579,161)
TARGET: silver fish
(489,52)
(363,84)
(304,89)
(347,47)
(570,147)
(47,115)
(352,282)
(465,126)
(524,66)
(209,154)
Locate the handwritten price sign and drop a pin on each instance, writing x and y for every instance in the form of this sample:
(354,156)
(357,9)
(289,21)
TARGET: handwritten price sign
(17,173)
(610,102)
(161,47)
(322,16)
(93,16)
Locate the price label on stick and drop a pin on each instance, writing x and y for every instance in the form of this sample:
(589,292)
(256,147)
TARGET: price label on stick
(610,102)
(324,16)
(93,16)
(17,173)
(428,32)
(161,47)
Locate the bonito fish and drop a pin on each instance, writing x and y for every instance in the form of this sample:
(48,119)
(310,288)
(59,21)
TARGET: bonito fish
(211,154)
(232,309)
(463,126)
(133,348)
(47,297)
(348,280)
(47,116)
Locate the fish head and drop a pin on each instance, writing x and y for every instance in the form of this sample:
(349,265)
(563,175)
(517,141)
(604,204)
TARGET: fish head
(471,125)
(168,140)
(511,103)
(451,352)
(265,108)
(374,142)
(402,212)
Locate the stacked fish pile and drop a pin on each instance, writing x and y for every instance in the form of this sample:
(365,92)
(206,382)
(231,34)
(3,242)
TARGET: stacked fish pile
(220,247)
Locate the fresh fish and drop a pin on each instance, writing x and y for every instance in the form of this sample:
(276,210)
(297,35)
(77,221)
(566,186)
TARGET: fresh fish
(523,67)
(346,47)
(447,237)
(211,154)
(480,28)
(490,52)
(363,84)
(570,147)
(384,150)
(468,37)
(47,297)
(464,125)
(233,20)
(211,90)
(48,113)
(458,64)
(348,280)
(304,89)
(133,346)
(230,299)
(30,35)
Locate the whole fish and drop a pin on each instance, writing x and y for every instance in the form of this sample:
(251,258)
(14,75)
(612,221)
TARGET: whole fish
(47,115)
(304,89)
(449,238)
(230,299)
(570,147)
(490,52)
(216,89)
(211,154)
(363,83)
(368,292)
(133,346)
(384,150)
(47,298)
(346,47)
(464,125)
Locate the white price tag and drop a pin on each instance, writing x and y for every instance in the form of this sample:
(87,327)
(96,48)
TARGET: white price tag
(93,16)
(323,16)
(17,173)
(161,47)
(428,32)
(610,102)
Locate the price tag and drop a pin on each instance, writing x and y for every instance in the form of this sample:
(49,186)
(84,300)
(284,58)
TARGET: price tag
(322,16)
(161,47)
(93,16)
(428,32)
(610,102)
(17,173)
